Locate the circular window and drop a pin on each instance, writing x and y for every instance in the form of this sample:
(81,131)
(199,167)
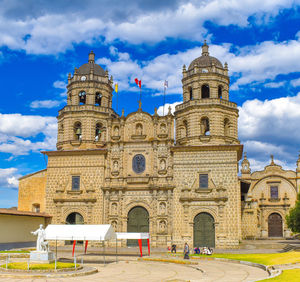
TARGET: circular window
(138,163)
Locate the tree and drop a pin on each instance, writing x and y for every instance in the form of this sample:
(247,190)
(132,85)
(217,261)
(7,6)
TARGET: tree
(293,218)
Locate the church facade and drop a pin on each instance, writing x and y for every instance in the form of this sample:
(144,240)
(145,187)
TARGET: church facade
(132,172)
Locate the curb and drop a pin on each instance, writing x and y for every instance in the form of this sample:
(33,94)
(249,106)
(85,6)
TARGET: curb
(268,268)
(169,261)
(91,270)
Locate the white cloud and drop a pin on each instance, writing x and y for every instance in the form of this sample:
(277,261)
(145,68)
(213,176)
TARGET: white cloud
(21,134)
(48,104)
(51,30)
(295,82)
(173,105)
(9,178)
(60,84)
(271,127)
(274,84)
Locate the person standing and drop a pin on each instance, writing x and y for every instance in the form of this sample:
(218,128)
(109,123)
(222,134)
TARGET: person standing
(186,251)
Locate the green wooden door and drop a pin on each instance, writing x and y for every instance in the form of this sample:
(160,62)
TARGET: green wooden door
(138,221)
(204,230)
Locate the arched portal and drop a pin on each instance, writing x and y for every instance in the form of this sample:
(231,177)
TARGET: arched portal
(275,225)
(204,230)
(74,218)
(137,221)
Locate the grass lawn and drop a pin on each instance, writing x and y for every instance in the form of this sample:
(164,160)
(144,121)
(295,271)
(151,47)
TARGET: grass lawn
(39,266)
(14,252)
(291,275)
(266,259)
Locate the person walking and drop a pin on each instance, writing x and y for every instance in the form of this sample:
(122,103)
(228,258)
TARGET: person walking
(186,251)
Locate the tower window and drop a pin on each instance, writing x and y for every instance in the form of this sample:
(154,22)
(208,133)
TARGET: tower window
(220,89)
(185,128)
(205,91)
(226,127)
(98,99)
(77,131)
(98,131)
(191,93)
(82,98)
(204,125)
(75,183)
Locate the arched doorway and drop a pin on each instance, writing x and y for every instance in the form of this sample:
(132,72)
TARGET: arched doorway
(204,230)
(275,225)
(137,221)
(74,218)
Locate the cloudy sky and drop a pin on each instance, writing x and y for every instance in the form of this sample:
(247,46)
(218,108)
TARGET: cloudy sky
(42,41)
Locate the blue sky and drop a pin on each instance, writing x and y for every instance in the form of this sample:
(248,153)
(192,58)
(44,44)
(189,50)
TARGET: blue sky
(42,41)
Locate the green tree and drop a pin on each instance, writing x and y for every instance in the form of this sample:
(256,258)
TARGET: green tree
(293,218)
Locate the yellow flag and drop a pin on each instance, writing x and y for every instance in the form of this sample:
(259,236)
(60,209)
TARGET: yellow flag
(116,87)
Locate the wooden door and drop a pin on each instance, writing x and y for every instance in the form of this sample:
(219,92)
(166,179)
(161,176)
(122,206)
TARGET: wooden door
(204,230)
(138,221)
(275,225)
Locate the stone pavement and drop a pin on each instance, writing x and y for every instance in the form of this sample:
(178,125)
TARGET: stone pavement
(142,271)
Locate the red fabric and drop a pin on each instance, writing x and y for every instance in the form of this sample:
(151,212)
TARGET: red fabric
(140,84)
(148,246)
(85,247)
(140,245)
(74,244)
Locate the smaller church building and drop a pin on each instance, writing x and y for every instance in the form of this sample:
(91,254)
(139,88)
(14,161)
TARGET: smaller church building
(174,176)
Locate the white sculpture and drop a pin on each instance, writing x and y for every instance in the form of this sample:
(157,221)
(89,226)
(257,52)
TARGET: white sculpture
(41,244)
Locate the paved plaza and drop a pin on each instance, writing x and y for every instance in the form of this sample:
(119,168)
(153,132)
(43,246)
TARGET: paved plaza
(134,270)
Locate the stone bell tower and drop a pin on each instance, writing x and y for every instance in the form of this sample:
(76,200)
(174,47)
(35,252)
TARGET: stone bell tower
(206,116)
(82,123)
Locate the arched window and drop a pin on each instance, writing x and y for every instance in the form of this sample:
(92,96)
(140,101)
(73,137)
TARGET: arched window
(74,218)
(139,129)
(220,90)
(77,131)
(98,131)
(204,126)
(98,98)
(226,127)
(205,91)
(36,207)
(82,97)
(191,93)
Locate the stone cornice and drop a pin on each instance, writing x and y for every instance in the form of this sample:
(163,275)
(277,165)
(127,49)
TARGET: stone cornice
(76,152)
(237,148)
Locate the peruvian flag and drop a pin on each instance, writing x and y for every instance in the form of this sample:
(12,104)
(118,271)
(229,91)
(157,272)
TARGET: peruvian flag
(138,82)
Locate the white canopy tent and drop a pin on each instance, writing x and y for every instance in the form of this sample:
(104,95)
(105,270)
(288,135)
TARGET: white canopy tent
(81,232)
(84,232)
(135,235)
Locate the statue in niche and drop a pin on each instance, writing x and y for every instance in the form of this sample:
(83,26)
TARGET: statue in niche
(114,208)
(162,164)
(162,226)
(116,131)
(114,225)
(139,129)
(162,208)
(163,128)
(115,166)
